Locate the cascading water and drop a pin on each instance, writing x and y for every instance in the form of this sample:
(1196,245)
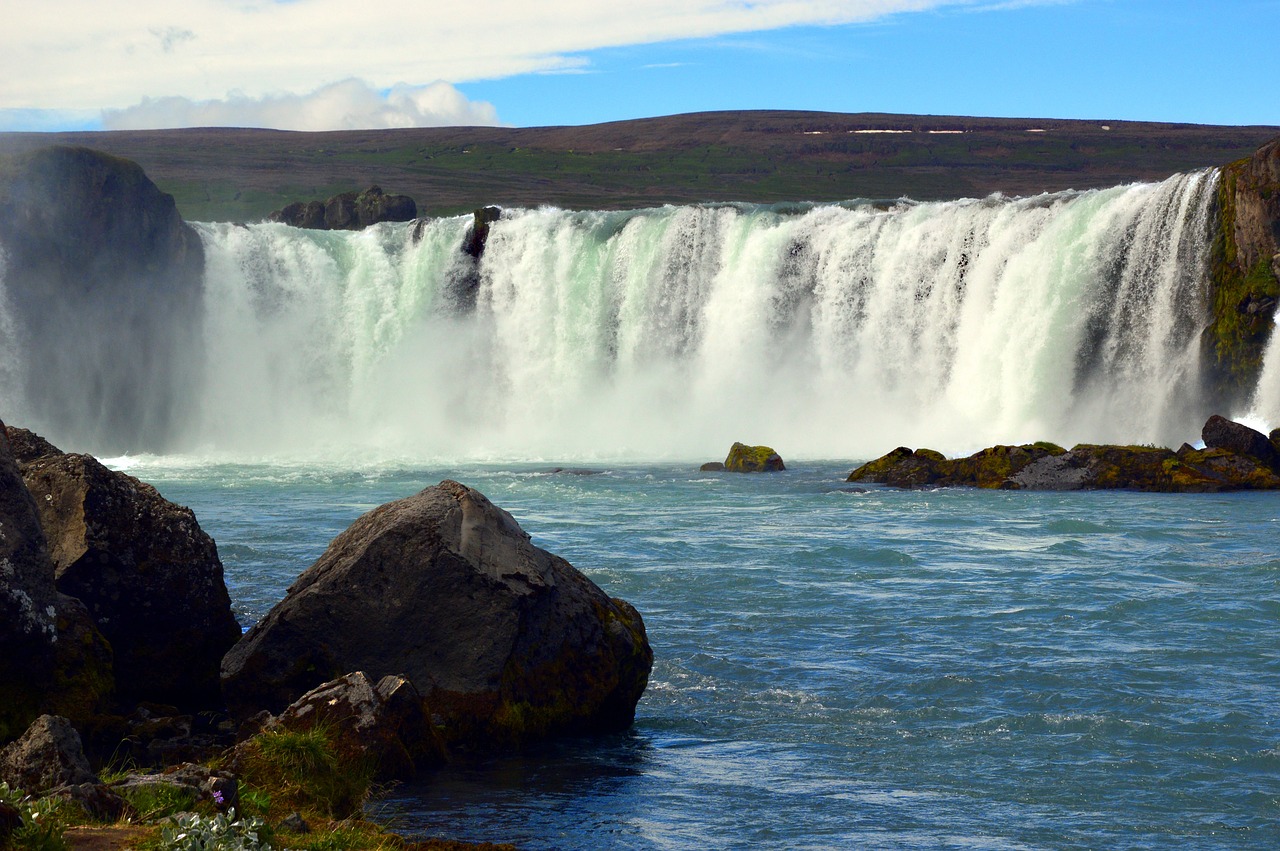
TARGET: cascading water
(823,330)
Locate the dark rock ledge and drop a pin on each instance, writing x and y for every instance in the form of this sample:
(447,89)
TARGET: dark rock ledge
(1235,457)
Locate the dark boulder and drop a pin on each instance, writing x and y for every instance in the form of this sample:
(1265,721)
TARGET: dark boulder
(753,459)
(148,575)
(348,211)
(506,641)
(374,206)
(1221,433)
(478,234)
(712,467)
(363,723)
(27,446)
(28,601)
(48,755)
(104,283)
(301,214)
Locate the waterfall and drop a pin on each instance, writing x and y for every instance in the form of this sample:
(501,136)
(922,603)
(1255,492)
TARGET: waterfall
(827,331)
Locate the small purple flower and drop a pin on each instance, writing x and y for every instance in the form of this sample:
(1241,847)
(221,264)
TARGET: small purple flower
(217,796)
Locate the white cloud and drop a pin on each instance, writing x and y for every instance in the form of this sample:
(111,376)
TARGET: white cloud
(215,54)
(347,105)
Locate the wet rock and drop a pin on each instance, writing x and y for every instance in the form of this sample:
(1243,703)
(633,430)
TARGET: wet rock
(1046,466)
(712,467)
(1221,433)
(348,211)
(753,459)
(148,575)
(104,284)
(506,641)
(28,602)
(48,755)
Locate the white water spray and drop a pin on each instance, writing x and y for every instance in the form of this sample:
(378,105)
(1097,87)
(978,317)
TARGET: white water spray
(834,331)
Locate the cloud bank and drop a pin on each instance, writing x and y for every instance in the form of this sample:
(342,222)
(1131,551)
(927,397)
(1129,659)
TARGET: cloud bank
(162,62)
(347,105)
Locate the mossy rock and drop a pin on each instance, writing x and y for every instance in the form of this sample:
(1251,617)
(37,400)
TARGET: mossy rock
(753,459)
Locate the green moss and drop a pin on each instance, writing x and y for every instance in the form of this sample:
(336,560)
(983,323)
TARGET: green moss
(752,459)
(1237,337)
(307,771)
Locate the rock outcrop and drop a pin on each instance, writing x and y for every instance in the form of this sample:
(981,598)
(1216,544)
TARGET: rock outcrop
(1245,268)
(48,755)
(505,641)
(348,211)
(1235,458)
(103,281)
(52,657)
(147,573)
(753,459)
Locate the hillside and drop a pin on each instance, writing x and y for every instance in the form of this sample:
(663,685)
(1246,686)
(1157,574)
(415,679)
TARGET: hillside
(240,175)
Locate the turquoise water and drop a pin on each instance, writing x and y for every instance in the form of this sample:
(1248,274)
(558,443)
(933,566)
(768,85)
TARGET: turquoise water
(941,669)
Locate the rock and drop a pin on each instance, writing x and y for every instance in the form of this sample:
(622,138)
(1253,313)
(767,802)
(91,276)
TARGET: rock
(348,211)
(215,786)
(299,214)
(294,823)
(98,800)
(1222,433)
(374,206)
(10,822)
(104,285)
(753,459)
(48,755)
(712,467)
(1244,275)
(28,602)
(361,723)
(1046,466)
(506,641)
(478,234)
(27,446)
(149,576)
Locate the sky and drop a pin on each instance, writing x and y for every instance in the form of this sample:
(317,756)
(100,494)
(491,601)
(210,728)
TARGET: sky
(334,64)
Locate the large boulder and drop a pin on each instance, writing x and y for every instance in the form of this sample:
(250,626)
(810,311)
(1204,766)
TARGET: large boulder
(52,656)
(48,755)
(28,601)
(506,641)
(1221,433)
(348,211)
(103,283)
(147,573)
(753,459)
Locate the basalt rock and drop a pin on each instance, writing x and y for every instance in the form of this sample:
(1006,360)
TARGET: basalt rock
(1245,269)
(348,211)
(753,459)
(104,286)
(52,657)
(28,602)
(149,577)
(505,641)
(1046,466)
(48,755)
(1221,433)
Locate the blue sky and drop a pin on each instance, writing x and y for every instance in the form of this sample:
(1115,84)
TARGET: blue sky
(319,64)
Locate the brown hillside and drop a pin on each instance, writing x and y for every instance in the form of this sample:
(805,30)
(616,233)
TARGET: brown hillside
(762,156)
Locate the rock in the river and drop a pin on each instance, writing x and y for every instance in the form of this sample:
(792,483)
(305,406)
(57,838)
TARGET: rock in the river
(1221,433)
(149,576)
(103,283)
(1046,466)
(753,459)
(506,641)
(348,211)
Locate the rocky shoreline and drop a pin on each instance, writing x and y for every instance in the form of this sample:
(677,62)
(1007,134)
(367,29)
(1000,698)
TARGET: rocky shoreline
(431,629)
(1235,457)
